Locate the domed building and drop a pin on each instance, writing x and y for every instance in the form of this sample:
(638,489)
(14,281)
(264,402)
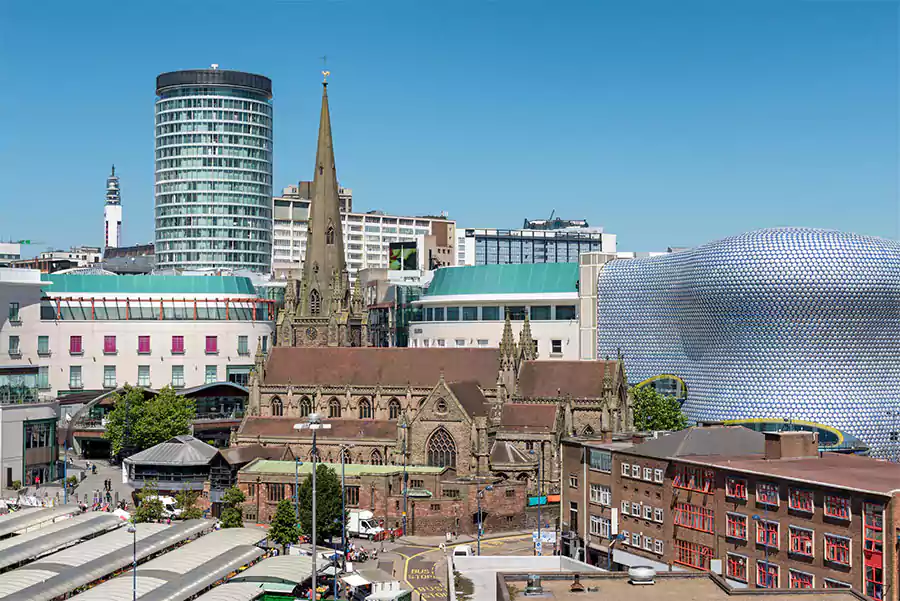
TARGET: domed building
(785,323)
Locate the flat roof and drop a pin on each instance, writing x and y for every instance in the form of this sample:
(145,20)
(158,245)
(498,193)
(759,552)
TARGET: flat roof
(853,472)
(526,278)
(272,466)
(697,587)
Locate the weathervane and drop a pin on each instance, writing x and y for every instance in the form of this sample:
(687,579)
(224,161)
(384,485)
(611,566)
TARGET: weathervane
(325,71)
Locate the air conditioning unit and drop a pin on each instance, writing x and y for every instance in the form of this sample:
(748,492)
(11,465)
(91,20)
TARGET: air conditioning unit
(641,575)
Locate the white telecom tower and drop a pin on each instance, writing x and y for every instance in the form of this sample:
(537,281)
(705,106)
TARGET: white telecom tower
(112,212)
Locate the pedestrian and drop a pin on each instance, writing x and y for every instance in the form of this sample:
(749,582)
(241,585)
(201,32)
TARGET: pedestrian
(37,483)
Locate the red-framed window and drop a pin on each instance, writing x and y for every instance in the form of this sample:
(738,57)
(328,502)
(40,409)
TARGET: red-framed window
(837,549)
(800,500)
(75,345)
(692,554)
(178,345)
(144,345)
(736,526)
(694,517)
(831,583)
(736,488)
(693,478)
(109,345)
(766,574)
(767,493)
(737,567)
(767,533)
(212,345)
(837,507)
(801,579)
(801,541)
(873,538)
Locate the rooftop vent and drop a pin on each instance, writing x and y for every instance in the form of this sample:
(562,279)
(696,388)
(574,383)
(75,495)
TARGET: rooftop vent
(641,575)
(533,585)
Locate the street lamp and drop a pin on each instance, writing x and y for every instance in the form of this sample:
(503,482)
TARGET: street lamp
(132,528)
(405,479)
(478,498)
(343,448)
(540,491)
(314,424)
(297,464)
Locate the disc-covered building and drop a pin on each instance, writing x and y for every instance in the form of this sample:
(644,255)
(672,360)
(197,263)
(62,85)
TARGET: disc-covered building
(787,323)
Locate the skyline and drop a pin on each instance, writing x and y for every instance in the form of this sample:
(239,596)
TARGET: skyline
(622,110)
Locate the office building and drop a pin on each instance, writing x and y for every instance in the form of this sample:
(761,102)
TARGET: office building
(99,332)
(9,252)
(213,170)
(112,212)
(28,419)
(787,323)
(761,510)
(367,236)
(539,243)
(466,307)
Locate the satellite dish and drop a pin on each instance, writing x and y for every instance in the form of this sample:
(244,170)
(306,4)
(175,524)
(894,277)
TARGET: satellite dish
(214,66)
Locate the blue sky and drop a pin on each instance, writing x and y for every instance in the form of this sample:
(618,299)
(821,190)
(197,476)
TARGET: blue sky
(668,123)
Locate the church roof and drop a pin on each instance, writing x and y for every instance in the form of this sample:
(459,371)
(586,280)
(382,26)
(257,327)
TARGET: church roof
(505,453)
(470,397)
(524,417)
(283,427)
(361,366)
(577,379)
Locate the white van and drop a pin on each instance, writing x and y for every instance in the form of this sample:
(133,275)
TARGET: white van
(462,551)
(168,505)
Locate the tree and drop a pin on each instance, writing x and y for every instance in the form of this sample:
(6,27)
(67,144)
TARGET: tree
(329,521)
(149,421)
(186,501)
(232,500)
(150,508)
(283,529)
(653,411)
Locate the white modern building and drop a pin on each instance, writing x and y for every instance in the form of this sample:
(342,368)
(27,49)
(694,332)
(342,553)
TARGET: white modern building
(9,251)
(112,212)
(466,306)
(489,246)
(367,236)
(81,256)
(98,332)
(213,170)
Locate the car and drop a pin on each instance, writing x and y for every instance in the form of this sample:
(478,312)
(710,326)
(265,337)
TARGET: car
(463,551)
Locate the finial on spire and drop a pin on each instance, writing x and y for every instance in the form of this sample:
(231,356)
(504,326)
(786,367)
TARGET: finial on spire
(114,170)
(325,71)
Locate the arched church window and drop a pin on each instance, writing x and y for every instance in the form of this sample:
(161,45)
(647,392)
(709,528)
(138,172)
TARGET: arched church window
(305,406)
(365,409)
(315,302)
(329,235)
(441,449)
(277,407)
(394,409)
(334,408)
(376,457)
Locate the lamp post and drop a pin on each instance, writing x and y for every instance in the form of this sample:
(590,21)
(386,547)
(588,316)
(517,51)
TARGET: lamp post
(540,493)
(314,425)
(297,464)
(478,497)
(66,471)
(405,479)
(343,448)
(132,528)
(258,495)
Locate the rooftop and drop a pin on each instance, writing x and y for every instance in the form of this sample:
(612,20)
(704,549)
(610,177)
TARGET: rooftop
(269,466)
(853,472)
(179,450)
(703,441)
(63,284)
(530,278)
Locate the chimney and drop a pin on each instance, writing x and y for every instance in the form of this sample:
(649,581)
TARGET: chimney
(791,445)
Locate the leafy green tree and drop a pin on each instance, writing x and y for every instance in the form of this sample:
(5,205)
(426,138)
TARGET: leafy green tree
(186,501)
(149,421)
(329,520)
(232,500)
(653,411)
(150,508)
(283,529)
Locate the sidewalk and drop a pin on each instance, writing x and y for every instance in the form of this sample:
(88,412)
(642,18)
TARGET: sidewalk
(436,541)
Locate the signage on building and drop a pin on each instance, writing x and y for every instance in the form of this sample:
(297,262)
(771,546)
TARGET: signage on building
(403,256)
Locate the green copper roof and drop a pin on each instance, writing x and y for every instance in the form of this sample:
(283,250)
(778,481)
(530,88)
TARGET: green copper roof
(149,284)
(271,466)
(529,278)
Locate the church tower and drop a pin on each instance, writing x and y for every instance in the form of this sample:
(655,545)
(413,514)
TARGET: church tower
(325,313)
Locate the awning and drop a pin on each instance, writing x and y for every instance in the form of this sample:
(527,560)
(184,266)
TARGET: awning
(355,580)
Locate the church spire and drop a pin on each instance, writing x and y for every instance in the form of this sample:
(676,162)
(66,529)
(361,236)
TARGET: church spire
(507,342)
(526,342)
(325,243)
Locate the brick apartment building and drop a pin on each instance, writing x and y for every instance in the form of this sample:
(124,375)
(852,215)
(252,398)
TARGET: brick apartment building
(764,510)
(437,500)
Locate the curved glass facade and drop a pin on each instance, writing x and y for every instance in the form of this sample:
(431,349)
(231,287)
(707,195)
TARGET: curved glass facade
(781,323)
(213,171)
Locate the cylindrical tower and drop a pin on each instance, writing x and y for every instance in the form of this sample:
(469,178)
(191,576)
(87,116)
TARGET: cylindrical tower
(213,170)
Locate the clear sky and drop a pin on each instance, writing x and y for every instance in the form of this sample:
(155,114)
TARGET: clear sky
(670,123)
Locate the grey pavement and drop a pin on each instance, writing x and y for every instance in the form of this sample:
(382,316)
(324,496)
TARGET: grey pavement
(93,483)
